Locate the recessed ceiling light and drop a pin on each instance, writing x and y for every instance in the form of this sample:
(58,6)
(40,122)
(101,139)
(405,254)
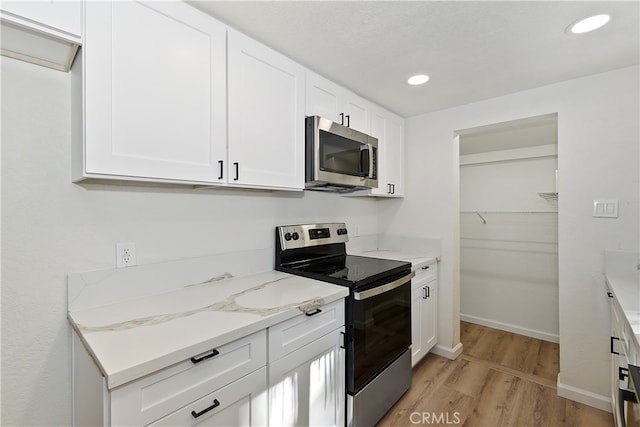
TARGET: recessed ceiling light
(588,24)
(418,79)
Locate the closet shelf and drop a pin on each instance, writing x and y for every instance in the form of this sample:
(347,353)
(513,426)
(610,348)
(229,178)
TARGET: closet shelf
(549,196)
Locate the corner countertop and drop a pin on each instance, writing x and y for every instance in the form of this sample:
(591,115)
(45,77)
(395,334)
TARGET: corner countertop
(417,260)
(135,337)
(627,293)
(622,278)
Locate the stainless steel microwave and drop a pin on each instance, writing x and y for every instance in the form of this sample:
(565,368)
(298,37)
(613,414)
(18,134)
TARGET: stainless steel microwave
(339,158)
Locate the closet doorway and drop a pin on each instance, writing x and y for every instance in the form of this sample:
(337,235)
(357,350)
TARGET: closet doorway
(509,226)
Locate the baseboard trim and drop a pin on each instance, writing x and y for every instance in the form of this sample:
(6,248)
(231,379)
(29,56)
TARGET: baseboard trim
(545,336)
(584,396)
(448,352)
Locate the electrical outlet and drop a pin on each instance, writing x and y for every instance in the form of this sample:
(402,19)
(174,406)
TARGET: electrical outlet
(125,254)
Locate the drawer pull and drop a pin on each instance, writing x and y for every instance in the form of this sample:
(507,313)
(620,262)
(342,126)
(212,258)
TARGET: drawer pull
(204,411)
(314,312)
(214,352)
(426,267)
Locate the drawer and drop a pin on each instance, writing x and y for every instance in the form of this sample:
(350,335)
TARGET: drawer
(426,273)
(241,403)
(156,395)
(294,333)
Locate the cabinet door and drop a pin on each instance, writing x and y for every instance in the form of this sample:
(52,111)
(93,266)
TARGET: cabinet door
(323,97)
(393,155)
(359,111)
(62,15)
(430,333)
(154,78)
(423,318)
(389,130)
(417,322)
(242,403)
(306,387)
(266,116)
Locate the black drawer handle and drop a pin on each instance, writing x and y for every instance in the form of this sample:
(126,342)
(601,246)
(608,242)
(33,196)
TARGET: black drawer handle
(617,339)
(214,352)
(426,267)
(204,411)
(313,313)
(235,165)
(609,294)
(426,292)
(221,163)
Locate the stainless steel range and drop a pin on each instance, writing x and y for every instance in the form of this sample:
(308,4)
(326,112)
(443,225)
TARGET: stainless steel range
(378,313)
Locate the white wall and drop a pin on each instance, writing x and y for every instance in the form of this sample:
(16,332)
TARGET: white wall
(51,227)
(598,140)
(509,265)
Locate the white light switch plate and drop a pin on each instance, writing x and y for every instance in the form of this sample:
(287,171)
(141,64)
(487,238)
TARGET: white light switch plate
(605,208)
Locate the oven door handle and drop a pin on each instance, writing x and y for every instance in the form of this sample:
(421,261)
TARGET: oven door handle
(359,296)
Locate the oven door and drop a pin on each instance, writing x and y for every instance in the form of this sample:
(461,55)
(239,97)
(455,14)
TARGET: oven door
(379,320)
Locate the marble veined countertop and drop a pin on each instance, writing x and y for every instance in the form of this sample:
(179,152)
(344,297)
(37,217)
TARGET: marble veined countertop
(134,337)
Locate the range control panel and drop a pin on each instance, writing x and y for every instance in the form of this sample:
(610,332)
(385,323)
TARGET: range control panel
(305,235)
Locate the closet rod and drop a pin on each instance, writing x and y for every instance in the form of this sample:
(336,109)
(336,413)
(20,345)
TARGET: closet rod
(508,212)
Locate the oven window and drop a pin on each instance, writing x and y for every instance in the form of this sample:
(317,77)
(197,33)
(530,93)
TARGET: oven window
(342,155)
(381,332)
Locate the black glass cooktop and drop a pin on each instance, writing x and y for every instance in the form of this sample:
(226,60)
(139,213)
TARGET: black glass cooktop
(351,270)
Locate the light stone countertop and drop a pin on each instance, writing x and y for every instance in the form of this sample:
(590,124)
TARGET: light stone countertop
(132,338)
(417,260)
(621,275)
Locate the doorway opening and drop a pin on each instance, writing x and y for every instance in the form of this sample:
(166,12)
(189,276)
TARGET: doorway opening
(509,226)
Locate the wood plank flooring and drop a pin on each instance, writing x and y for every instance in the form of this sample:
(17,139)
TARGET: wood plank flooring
(500,379)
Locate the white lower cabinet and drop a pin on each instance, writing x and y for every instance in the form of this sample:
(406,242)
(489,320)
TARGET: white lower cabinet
(306,387)
(241,403)
(623,352)
(307,369)
(292,373)
(424,316)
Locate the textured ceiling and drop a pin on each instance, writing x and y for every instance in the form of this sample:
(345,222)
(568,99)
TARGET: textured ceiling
(472,50)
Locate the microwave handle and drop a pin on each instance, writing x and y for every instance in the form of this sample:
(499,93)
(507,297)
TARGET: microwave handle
(369,148)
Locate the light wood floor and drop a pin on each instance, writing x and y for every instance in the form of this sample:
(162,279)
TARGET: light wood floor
(500,379)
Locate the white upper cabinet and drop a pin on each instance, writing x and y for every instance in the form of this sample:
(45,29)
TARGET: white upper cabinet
(154,93)
(328,100)
(389,129)
(42,32)
(357,111)
(58,17)
(323,98)
(266,116)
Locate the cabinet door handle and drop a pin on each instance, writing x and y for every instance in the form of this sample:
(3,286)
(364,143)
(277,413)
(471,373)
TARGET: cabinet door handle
(388,188)
(426,267)
(342,119)
(204,411)
(344,337)
(612,339)
(393,189)
(214,352)
(609,294)
(235,165)
(426,292)
(221,163)
(348,120)
(312,313)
